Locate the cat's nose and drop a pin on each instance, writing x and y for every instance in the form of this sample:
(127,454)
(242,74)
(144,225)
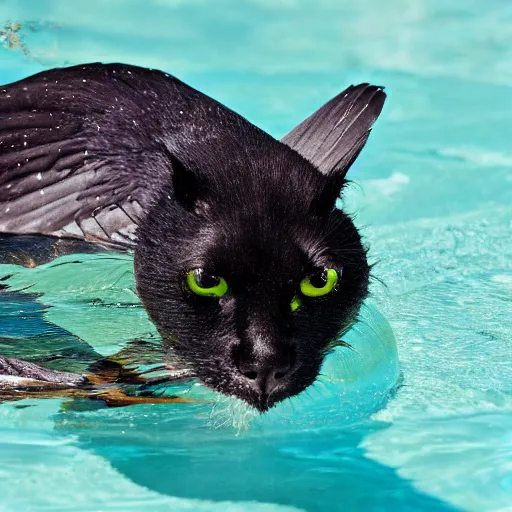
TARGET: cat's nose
(265,375)
(264,381)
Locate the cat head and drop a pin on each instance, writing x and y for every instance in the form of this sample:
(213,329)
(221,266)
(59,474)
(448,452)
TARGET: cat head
(248,269)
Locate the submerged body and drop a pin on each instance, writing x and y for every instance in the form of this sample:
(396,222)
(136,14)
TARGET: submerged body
(242,261)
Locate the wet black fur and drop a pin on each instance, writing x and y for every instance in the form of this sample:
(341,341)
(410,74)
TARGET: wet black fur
(212,191)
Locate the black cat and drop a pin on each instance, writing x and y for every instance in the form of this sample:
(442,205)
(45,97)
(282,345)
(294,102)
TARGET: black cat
(242,260)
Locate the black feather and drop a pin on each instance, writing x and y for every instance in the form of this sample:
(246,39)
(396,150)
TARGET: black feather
(335,134)
(84,150)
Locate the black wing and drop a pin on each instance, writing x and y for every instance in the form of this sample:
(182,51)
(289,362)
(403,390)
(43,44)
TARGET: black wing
(84,150)
(333,136)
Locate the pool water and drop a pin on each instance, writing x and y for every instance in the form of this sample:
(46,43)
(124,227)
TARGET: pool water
(433,196)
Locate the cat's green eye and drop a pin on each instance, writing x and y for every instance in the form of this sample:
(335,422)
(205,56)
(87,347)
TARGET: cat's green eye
(205,284)
(319,284)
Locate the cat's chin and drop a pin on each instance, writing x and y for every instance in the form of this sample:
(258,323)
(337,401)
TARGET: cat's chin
(222,377)
(260,402)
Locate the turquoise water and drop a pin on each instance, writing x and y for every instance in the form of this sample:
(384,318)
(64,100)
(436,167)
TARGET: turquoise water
(433,196)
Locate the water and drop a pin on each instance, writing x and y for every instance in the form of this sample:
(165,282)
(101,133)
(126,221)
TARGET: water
(433,196)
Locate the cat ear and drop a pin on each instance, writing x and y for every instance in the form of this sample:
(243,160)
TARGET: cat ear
(333,136)
(189,187)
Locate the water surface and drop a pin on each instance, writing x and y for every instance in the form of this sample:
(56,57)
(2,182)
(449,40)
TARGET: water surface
(432,195)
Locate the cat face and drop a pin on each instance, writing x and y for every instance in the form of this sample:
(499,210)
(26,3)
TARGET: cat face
(251,283)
